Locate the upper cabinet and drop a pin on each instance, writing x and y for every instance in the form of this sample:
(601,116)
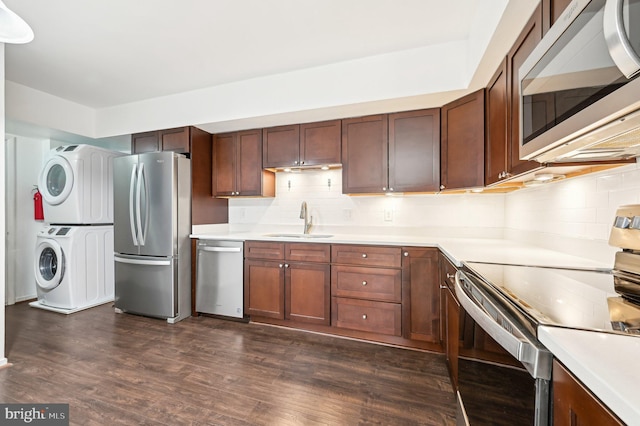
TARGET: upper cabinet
(177,139)
(237,166)
(502,159)
(298,145)
(391,153)
(462,143)
(551,11)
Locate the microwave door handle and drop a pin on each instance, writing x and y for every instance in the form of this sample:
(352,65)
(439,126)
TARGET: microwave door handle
(138,203)
(132,185)
(620,49)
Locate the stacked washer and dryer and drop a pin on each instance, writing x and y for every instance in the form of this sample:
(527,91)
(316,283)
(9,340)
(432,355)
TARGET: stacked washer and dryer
(74,252)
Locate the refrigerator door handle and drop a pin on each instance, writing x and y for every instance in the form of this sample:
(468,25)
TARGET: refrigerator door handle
(147,206)
(138,203)
(132,184)
(142,262)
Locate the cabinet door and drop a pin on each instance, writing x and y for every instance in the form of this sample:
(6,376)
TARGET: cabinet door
(307,297)
(414,151)
(453,335)
(320,143)
(523,46)
(175,140)
(573,404)
(224,164)
(145,142)
(205,208)
(497,131)
(264,288)
(281,146)
(364,155)
(422,306)
(551,11)
(462,143)
(249,163)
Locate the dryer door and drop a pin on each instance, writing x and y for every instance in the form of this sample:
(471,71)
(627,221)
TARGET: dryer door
(56,180)
(49,266)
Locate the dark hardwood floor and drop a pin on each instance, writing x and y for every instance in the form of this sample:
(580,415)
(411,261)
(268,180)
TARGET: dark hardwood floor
(125,369)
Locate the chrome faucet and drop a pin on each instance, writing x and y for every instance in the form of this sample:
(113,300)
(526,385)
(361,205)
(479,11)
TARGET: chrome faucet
(304,214)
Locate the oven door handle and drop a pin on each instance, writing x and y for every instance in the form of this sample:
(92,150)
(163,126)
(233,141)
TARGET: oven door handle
(506,332)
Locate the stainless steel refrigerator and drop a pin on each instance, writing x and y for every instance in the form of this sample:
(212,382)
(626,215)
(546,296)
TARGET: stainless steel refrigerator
(152,223)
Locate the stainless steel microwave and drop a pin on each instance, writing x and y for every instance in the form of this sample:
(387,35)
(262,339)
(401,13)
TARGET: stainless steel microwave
(579,91)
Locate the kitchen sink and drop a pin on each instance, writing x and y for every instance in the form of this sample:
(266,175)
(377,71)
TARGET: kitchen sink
(299,235)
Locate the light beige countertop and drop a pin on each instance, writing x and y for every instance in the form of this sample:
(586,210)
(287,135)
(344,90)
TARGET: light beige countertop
(604,362)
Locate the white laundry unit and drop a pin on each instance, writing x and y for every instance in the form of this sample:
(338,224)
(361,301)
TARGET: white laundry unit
(74,267)
(76,184)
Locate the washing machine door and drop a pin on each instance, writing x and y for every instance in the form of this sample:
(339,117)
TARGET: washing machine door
(49,266)
(56,180)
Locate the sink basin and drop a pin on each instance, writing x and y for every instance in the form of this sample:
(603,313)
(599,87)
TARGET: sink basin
(299,235)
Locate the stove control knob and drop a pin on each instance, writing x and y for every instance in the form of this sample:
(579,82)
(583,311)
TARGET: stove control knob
(635,223)
(622,222)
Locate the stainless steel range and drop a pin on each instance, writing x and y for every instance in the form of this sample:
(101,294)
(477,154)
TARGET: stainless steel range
(510,302)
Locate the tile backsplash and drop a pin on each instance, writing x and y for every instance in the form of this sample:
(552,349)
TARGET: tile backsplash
(572,215)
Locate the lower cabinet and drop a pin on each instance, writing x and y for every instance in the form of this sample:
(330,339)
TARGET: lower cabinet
(287,281)
(573,404)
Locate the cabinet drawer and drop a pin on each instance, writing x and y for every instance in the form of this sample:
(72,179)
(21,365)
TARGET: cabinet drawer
(307,252)
(263,250)
(367,283)
(366,315)
(447,272)
(366,255)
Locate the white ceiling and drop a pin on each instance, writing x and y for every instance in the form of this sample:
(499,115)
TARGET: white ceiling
(105,54)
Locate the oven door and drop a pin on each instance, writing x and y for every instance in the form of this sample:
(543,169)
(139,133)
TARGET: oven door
(495,394)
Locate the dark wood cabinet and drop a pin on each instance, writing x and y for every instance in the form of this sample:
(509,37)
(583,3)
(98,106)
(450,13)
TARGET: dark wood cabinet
(237,166)
(177,139)
(308,144)
(366,288)
(497,119)
(414,151)
(145,142)
(391,153)
(364,154)
(450,313)
(288,281)
(421,301)
(524,45)
(551,11)
(462,143)
(573,404)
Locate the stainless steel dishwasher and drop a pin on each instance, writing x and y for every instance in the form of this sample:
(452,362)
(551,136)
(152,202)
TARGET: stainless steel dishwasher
(219,278)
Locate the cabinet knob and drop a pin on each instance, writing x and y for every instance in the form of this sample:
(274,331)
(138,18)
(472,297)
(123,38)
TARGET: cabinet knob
(441,186)
(384,188)
(364,316)
(295,162)
(364,283)
(364,255)
(280,265)
(286,265)
(450,276)
(302,163)
(406,254)
(391,189)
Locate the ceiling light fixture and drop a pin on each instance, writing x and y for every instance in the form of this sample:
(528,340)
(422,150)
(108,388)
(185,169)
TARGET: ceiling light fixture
(13,29)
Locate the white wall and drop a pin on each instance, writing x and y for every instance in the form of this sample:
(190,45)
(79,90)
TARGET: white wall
(573,215)
(427,214)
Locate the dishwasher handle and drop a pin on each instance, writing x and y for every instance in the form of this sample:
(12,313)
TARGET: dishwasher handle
(220,249)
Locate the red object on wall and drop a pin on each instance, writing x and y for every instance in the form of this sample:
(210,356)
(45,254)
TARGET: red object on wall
(38,211)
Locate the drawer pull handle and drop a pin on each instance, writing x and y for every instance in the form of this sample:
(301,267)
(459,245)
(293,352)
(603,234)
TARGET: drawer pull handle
(364,316)
(364,255)
(450,276)
(364,283)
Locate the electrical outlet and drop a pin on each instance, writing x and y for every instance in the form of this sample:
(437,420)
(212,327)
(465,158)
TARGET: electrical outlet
(388,215)
(346,214)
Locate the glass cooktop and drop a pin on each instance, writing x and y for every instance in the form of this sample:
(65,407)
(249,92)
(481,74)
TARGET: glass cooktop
(569,298)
